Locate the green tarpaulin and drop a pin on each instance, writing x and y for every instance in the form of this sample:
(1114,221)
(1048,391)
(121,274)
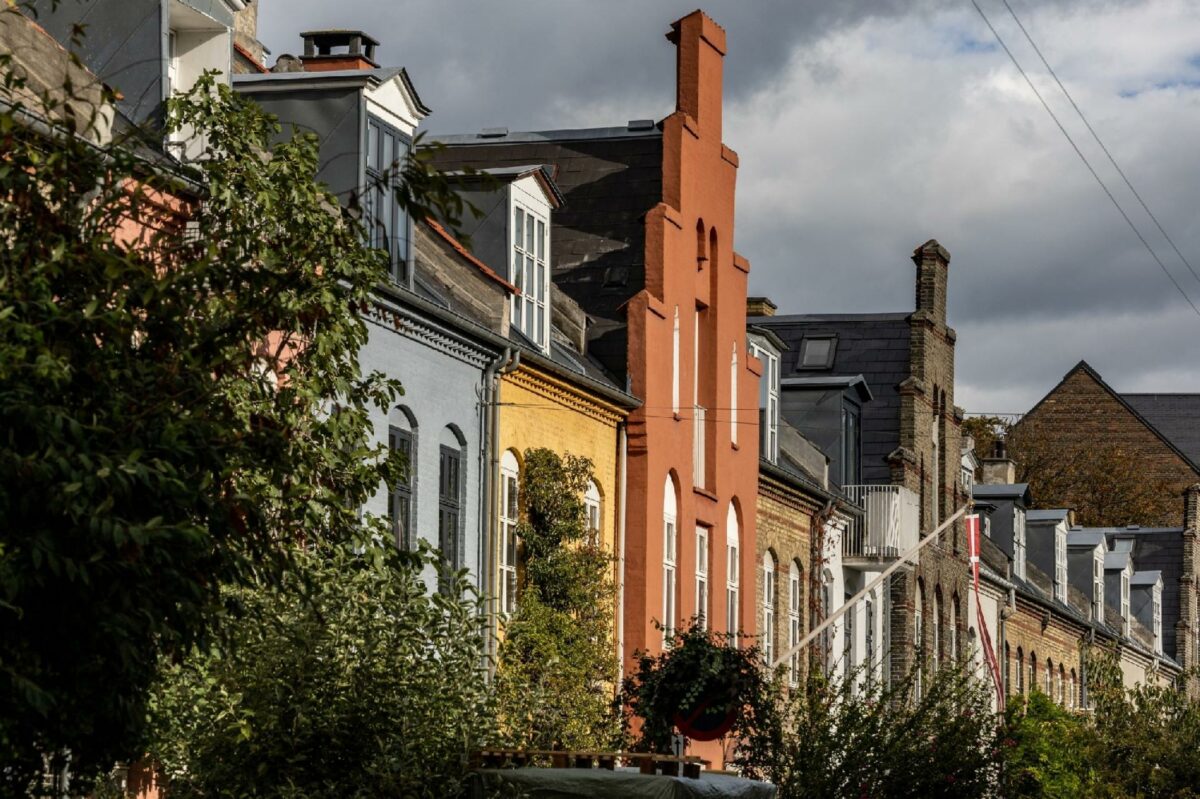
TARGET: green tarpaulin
(567,783)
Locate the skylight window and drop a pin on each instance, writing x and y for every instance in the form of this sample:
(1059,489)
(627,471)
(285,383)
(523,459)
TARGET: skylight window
(816,352)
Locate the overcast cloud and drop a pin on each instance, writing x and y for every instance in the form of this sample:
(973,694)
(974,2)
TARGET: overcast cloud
(865,129)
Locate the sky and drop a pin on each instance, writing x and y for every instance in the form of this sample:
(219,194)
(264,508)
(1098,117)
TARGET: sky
(866,128)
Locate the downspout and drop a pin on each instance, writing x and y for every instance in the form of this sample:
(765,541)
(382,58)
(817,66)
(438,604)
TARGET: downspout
(622,453)
(489,457)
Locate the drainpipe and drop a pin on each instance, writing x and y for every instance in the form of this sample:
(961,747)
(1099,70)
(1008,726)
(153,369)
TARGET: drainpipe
(622,453)
(489,457)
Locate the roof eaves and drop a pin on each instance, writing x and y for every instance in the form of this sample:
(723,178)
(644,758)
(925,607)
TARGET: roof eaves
(466,255)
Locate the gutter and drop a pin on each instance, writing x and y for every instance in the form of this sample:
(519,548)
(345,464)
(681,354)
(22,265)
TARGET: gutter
(622,454)
(489,458)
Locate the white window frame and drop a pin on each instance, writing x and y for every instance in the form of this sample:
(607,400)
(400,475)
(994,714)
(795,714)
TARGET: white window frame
(919,637)
(1060,564)
(768,607)
(795,598)
(531,306)
(936,649)
(1019,553)
(510,481)
(1125,600)
(670,544)
(953,629)
(733,535)
(1098,585)
(592,508)
(1156,621)
(702,582)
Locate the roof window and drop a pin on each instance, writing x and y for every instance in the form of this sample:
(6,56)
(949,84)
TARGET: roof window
(816,352)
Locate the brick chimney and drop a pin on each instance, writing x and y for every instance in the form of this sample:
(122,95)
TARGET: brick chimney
(699,56)
(933,266)
(760,306)
(329,50)
(999,469)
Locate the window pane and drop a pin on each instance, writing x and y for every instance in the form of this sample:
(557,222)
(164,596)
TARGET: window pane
(385,160)
(815,351)
(372,145)
(541,281)
(518,227)
(529,233)
(541,240)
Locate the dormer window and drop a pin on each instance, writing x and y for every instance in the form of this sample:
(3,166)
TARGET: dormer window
(1060,564)
(816,352)
(530,275)
(387,221)
(768,399)
(1019,542)
(1157,618)
(1098,585)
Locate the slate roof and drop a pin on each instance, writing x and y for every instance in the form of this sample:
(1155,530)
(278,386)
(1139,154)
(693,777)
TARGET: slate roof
(1047,515)
(1175,416)
(1001,491)
(609,178)
(1157,549)
(872,345)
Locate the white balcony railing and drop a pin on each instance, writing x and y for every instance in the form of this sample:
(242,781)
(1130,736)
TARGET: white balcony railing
(890,526)
(698,445)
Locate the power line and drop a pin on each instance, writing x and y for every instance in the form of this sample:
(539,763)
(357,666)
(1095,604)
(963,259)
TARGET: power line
(1096,136)
(1086,163)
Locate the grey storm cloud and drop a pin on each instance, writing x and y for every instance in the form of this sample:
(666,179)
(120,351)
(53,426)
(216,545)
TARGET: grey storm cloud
(865,128)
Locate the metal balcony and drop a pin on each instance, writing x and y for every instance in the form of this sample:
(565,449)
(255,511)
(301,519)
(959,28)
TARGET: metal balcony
(888,529)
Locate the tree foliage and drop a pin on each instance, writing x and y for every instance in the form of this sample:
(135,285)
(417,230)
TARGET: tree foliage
(1048,752)
(350,679)
(557,667)
(1103,481)
(181,406)
(846,739)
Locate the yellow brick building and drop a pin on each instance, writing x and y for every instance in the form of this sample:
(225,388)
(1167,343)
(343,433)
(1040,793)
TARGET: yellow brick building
(545,405)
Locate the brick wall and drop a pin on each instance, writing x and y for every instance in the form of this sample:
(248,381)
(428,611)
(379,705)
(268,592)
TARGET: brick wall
(1032,630)
(1082,408)
(785,518)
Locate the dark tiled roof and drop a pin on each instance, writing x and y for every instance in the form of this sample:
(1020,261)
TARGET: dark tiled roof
(1047,515)
(872,345)
(609,178)
(1159,549)
(1176,416)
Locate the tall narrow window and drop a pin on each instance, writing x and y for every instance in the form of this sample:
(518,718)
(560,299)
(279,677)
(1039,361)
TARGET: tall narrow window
(531,275)
(768,608)
(1049,678)
(919,633)
(768,403)
(675,376)
(733,535)
(1060,564)
(1008,686)
(1033,666)
(1073,695)
(1125,601)
(387,150)
(953,628)
(509,513)
(591,507)
(450,486)
(1157,619)
(733,395)
(794,601)
(1020,672)
(400,495)
(1019,542)
(699,414)
(670,543)
(869,658)
(827,633)
(1098,585)
(935,653)
(702,577)
(935,499)
(848,633)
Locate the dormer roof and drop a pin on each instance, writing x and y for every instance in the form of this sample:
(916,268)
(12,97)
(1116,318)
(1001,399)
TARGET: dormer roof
(543,173)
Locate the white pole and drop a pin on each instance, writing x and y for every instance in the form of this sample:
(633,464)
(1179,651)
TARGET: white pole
(837,614)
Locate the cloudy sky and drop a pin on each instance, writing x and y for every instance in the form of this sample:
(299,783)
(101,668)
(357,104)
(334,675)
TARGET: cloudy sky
(865,128)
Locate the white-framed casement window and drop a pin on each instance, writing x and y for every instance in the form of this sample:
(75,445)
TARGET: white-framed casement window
(591,508)
(794,601)
(733,535)
(172,63)
(1125,601)
(919,635)
(531,275)
(952,628)
(1019,542)
(1098,585)
(670,552)
(509,513)
(935,653)
(1060,564)
(768,401)
(1157,619)
(733,395)
(768,608)
(675,376)
(702,577)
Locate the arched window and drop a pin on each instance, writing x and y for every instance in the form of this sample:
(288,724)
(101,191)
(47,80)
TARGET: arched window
(919,632)
(826,609)
(670,544)
(510,481)
(1033,664)
(702,577)
(935,653)
(675,377)
(1020,672)
(1008,687)
(1061,686)
(794,603)
(733,395)
(1073,697)
(869,654)
(733,542)
(591,506)
(954,641)
(768,608)
(402,439)
(1050,678)
(452,484)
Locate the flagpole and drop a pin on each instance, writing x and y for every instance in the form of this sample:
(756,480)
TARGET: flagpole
(900,561)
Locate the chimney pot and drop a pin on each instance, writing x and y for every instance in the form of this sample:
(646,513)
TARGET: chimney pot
(329,50)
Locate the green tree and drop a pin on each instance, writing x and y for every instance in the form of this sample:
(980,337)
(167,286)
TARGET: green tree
(557,667)
(181,406)
(1048,752)
(350,679)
